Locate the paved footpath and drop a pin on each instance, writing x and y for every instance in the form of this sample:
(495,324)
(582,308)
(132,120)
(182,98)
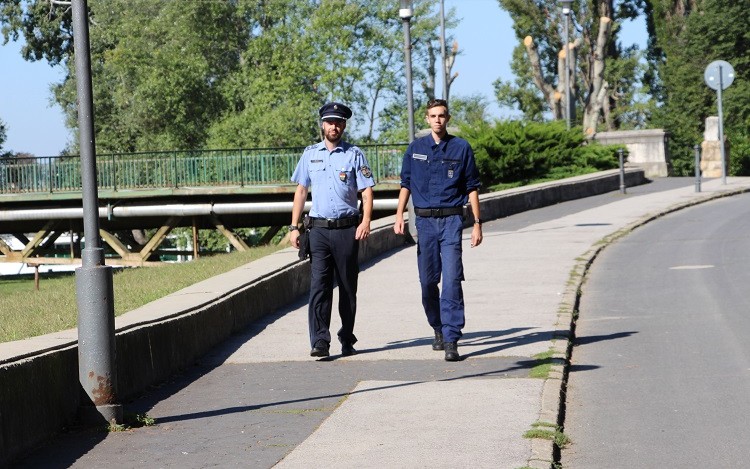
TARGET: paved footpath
(260,401)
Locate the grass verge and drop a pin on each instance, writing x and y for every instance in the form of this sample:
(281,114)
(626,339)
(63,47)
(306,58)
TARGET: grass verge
(28,313)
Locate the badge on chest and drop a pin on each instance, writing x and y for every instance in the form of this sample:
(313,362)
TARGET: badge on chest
(342,175)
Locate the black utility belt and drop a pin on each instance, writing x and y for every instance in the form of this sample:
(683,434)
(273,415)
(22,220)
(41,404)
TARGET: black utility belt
(334,223)
(438,212)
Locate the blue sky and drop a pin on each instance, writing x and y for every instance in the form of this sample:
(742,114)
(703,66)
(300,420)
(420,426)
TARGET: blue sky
(485,36)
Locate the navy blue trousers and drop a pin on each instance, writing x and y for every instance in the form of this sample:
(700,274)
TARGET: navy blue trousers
(334,255)
(439,254)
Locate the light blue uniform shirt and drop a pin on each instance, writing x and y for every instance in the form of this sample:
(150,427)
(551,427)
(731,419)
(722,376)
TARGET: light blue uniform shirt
(336,178)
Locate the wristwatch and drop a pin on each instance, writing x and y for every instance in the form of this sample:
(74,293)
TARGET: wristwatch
(478,220)
(293,228)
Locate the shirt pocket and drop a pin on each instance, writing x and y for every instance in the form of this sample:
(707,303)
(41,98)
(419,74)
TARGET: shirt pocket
(420,175)
(346,175)
(451,169)
(317,170)
(317,166)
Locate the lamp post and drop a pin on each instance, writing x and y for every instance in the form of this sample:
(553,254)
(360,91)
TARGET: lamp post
(442,50)
(97,371)
(406,11)
(566,4)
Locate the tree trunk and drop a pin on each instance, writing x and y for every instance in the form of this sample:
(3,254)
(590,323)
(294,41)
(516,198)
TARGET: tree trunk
(429,85)
(598,89)
(552,97)
(449,61)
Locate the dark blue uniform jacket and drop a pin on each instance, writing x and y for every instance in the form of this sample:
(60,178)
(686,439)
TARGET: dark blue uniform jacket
(439,175)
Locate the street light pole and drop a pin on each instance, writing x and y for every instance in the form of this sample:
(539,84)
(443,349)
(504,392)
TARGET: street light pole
(442,50)
(406,11)
(566,4)
(97,368)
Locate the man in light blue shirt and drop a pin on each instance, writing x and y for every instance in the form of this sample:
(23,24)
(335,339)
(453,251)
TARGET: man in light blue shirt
(337,171)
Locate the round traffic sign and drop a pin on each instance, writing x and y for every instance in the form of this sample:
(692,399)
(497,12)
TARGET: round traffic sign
(717,72)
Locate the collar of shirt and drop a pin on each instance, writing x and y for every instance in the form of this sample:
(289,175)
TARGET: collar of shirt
(342,146)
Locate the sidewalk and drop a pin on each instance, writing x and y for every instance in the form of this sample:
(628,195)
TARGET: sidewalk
(260,401)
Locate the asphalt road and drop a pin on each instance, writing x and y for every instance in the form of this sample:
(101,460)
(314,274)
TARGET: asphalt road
(661,368)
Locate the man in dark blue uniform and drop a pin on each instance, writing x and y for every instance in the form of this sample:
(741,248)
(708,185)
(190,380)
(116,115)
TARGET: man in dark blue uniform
(440,174)
(337,171)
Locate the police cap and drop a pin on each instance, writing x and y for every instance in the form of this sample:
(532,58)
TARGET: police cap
(334,111)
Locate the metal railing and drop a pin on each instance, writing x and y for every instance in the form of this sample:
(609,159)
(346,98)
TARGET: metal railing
(177,169)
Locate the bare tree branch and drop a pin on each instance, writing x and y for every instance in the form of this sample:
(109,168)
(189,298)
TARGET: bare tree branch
(552,97)
(595,98)
(449,61)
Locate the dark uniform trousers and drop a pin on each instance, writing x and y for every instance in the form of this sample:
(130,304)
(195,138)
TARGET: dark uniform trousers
(439,254)
(334,255)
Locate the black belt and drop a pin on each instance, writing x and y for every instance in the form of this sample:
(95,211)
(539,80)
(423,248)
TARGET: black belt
(335,222)
(438,212)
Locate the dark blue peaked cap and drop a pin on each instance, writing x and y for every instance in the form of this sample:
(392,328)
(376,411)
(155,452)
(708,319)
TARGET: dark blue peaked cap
(334,111)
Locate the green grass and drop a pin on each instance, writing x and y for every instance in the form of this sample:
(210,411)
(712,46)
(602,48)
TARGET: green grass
(131,421)
(27,313)
(548,431)
(542,365)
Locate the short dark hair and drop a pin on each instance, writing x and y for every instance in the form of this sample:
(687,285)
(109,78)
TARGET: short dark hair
(438,102)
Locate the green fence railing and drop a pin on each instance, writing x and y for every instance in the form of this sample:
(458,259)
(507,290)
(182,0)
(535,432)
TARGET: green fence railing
(177,169)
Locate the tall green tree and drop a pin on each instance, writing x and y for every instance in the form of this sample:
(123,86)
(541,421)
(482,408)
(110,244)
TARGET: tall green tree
(686,37)
(270,97)
(46,29)
(156,69)
(177,75)
(604,73)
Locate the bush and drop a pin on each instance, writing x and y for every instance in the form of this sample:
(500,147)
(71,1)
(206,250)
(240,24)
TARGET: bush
(739,152)
(515,152)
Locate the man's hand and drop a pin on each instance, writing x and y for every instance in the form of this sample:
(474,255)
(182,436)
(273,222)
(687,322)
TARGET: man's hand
(398,227)
(476,235)
(363,231)
(294,238)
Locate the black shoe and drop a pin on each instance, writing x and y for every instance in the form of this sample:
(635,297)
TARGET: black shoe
(437,344)
(451,352)
(320,349)
(347,350)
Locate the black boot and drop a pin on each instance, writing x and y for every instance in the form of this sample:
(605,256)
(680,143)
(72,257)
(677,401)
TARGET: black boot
(437,344)
(451,352)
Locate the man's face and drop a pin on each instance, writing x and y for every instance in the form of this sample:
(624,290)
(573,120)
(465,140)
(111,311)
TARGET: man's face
(333,129)
(438,118)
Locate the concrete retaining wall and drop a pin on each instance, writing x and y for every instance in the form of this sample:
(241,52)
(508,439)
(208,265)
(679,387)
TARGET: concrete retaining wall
(39,389)
(648,149)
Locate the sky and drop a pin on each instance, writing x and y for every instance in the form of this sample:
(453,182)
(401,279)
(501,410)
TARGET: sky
(485,36)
